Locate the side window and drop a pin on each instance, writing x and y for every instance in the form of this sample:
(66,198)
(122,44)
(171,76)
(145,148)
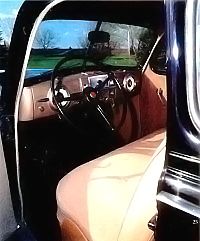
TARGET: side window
(158,61)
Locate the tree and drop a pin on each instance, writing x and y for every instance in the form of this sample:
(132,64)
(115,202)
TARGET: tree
(134,36)
(116,34)
(3,52)
(123,36)
(7,25)
(83,42)
(45,39)
(146,40)
(1,36)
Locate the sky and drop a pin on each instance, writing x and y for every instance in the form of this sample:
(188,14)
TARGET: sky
(9,8)
(8,13)
(66,35)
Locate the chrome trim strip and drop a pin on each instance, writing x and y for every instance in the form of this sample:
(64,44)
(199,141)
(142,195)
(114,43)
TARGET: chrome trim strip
(152,50)
(185,157)
(182,186)
(179,203)
(188,177)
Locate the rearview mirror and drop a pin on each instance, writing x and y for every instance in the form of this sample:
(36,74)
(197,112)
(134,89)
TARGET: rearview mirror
(98,37)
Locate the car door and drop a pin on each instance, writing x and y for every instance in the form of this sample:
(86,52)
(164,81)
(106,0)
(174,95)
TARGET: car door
(179,186)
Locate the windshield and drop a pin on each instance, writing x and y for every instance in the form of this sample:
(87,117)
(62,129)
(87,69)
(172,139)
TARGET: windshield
(127,46)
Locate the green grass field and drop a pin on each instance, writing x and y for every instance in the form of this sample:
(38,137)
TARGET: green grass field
(43,62)
(121,60)
(49,62)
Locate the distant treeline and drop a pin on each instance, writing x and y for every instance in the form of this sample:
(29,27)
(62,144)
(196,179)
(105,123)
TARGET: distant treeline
(3,56)
(54,51)
(62,52)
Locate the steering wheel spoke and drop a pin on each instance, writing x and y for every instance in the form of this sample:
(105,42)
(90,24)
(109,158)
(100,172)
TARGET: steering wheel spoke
(102,114)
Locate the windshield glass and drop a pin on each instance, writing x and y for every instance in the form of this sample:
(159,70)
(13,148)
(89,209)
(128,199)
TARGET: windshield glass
(127,45)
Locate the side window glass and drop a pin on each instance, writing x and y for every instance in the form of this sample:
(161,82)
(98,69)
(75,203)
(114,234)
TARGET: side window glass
(158,61)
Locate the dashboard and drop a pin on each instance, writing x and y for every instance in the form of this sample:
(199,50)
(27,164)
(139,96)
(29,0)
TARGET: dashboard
(37,100)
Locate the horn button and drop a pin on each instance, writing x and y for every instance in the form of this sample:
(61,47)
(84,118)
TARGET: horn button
(90,93)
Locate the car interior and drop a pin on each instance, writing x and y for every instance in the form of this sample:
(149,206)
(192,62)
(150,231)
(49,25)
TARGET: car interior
(91,121)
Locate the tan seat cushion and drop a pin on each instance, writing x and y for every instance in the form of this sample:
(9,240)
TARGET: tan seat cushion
(113,197)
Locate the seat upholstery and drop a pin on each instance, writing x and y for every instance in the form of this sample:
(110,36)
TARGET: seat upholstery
(114,196)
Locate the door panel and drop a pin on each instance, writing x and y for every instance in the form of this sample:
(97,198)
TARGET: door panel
(153,105)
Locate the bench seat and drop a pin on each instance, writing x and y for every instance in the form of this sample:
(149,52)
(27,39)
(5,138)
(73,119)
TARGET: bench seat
(113,197)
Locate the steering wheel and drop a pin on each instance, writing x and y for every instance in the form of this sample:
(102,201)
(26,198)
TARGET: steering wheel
(89,96)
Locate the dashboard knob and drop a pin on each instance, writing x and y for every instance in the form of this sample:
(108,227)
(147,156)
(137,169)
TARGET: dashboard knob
(41,108)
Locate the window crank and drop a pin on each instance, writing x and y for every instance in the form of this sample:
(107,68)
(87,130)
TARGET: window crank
(160,95)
